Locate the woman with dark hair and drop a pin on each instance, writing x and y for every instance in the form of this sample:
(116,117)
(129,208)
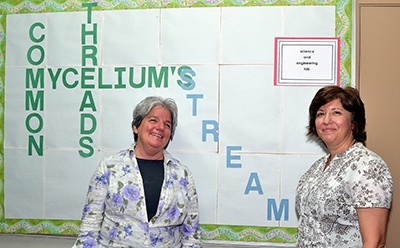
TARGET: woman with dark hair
(343,200)
(142,196)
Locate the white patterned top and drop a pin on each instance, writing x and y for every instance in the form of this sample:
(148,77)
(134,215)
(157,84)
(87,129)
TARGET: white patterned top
(326,201)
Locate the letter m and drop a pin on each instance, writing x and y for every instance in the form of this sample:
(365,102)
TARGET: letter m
(283,207)
(34,80)
(32,101)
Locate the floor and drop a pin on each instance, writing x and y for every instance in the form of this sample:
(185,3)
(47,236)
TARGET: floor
(48,241)
(35,241)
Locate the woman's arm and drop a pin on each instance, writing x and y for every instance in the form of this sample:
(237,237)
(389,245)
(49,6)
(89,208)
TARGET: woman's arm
(92,216)
(373,223)
(190,228)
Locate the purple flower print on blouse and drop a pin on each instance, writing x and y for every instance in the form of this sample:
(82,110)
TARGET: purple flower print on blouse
(195,224)
(186,229)
(144,226)
(117,200)
(173,213)
(113,233)
(86,209)
(131,192)
(183,182)
(104,179)
(169,182)
(155,239)
(126,169)
(128,230)
(90,243)
(89,234)
(160,206)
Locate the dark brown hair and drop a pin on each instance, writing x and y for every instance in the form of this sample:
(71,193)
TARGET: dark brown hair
(351,101)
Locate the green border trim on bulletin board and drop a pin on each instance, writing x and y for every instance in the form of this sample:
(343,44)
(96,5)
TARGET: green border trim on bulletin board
(210,232)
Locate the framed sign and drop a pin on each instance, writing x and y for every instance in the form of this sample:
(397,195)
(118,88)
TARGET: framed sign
(307,61)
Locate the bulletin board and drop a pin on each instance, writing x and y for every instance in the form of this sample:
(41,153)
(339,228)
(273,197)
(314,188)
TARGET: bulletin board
(71,73)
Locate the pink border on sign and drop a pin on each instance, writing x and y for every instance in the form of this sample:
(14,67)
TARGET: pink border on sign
(276,43)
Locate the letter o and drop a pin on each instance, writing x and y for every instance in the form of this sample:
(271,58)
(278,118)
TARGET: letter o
(41,54)
(28,123)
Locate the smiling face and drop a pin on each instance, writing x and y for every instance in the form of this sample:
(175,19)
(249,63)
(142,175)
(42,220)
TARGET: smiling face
(334,126)
(154,132)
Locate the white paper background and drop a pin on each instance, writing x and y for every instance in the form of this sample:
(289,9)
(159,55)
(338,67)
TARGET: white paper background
(231,51)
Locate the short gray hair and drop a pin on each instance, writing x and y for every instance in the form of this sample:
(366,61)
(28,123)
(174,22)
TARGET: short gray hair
(147,104)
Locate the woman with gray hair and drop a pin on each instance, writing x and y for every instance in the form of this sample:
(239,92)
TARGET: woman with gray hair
(142,196)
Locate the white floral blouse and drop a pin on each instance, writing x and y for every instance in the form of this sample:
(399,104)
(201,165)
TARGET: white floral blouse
(115,211)
(326,201)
